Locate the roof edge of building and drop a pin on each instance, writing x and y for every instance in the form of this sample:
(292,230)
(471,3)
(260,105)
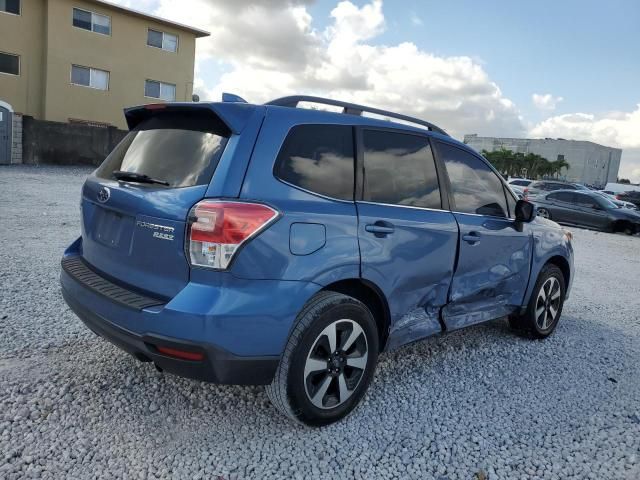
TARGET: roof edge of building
(478,137)
(196,31)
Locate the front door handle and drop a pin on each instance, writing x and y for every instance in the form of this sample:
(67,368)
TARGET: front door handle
(471,237)
(380,228)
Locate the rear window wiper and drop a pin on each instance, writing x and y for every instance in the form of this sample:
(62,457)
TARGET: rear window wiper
(137,177)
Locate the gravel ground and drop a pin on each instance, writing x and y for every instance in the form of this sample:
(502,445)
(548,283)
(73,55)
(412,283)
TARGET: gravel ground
(479,403)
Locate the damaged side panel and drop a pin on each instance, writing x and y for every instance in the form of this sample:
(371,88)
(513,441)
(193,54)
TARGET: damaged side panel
(492,273)
(411,260)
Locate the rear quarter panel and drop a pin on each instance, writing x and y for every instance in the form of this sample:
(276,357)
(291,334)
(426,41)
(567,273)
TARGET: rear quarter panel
(304,215)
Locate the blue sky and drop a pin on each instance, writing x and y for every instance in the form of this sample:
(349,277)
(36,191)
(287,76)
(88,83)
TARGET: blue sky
(588,52)
(469,66)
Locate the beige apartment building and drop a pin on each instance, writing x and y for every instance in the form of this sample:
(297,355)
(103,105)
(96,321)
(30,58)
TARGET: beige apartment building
(85,60)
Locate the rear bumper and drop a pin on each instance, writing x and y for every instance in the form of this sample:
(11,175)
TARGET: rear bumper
(239,326)
(217,366)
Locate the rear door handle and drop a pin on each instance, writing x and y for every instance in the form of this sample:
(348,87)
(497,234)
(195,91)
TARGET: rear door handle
(471,237)
(379,229)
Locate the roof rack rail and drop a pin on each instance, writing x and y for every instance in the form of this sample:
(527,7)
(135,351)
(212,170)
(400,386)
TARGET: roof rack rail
(352,109)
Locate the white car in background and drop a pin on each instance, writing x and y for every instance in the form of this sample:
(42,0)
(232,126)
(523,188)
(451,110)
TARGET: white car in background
(519,186)
(520,182)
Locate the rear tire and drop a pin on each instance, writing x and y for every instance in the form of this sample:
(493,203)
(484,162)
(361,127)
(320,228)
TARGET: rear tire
(328,362)
(545,305)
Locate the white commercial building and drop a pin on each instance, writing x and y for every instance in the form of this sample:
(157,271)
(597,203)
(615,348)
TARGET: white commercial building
(589,163)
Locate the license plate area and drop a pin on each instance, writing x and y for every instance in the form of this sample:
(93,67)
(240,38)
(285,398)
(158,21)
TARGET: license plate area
(112,229)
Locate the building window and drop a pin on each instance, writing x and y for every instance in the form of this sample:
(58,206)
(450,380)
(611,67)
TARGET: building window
(91,21)
(161,90)
(162,40)
(90,77)
(10,6)
(9,63)
(560,157)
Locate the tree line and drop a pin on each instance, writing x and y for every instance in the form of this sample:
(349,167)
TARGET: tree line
(530,165)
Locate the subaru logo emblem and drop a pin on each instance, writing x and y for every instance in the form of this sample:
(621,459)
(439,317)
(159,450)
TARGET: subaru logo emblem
(104,194)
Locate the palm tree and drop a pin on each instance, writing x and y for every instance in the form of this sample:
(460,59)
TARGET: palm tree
(557,167)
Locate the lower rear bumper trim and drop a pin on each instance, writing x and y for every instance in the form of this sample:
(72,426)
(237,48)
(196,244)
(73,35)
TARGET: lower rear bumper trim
(218,366)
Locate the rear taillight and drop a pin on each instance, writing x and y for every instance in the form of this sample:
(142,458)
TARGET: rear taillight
(618,197)
(218,228)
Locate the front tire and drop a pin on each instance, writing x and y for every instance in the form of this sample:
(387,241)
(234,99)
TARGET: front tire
(545,305)
(544,213)
(328,362)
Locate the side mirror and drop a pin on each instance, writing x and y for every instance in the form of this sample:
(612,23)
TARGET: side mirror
(525,211)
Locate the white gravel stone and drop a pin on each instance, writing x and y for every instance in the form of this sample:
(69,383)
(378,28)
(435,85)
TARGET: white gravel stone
(479,400)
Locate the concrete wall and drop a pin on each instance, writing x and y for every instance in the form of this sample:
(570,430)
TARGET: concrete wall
(16,141)
(589,162)
(23,35)
(66,143)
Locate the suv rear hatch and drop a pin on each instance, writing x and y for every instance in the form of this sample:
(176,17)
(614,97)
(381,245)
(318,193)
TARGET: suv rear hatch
(135,205)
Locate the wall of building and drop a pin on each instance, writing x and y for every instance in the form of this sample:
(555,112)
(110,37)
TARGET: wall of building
(124,54)
(48,44)
(23,35)
(589,162)
(67,143)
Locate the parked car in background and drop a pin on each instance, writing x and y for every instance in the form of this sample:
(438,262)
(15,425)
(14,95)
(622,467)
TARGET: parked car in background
(267,256)
(542,186)
(580,186)
(520,182)
(621,187)
(518,190)
(620,203)
(631,196)
(587,209)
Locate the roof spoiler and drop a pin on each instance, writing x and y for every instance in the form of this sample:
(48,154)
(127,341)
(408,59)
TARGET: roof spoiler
(234,115)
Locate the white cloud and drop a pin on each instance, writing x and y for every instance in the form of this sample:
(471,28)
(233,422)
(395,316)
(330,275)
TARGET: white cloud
(615,129)
(545,101)
(287,55)
(270,48)
(620,129)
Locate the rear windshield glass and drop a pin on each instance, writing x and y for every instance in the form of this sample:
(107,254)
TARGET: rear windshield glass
(179,149)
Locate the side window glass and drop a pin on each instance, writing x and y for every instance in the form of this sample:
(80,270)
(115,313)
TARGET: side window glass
(476,188)
(399,169)
(319,158)
(584,200)
(566,197)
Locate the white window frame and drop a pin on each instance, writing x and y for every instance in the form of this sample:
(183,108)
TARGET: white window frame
(19,64)
(161,83)
(149,29)
(92,14)
(19,14)
(91,70)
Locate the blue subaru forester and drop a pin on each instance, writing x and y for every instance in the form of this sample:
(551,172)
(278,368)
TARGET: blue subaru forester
(285,246)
